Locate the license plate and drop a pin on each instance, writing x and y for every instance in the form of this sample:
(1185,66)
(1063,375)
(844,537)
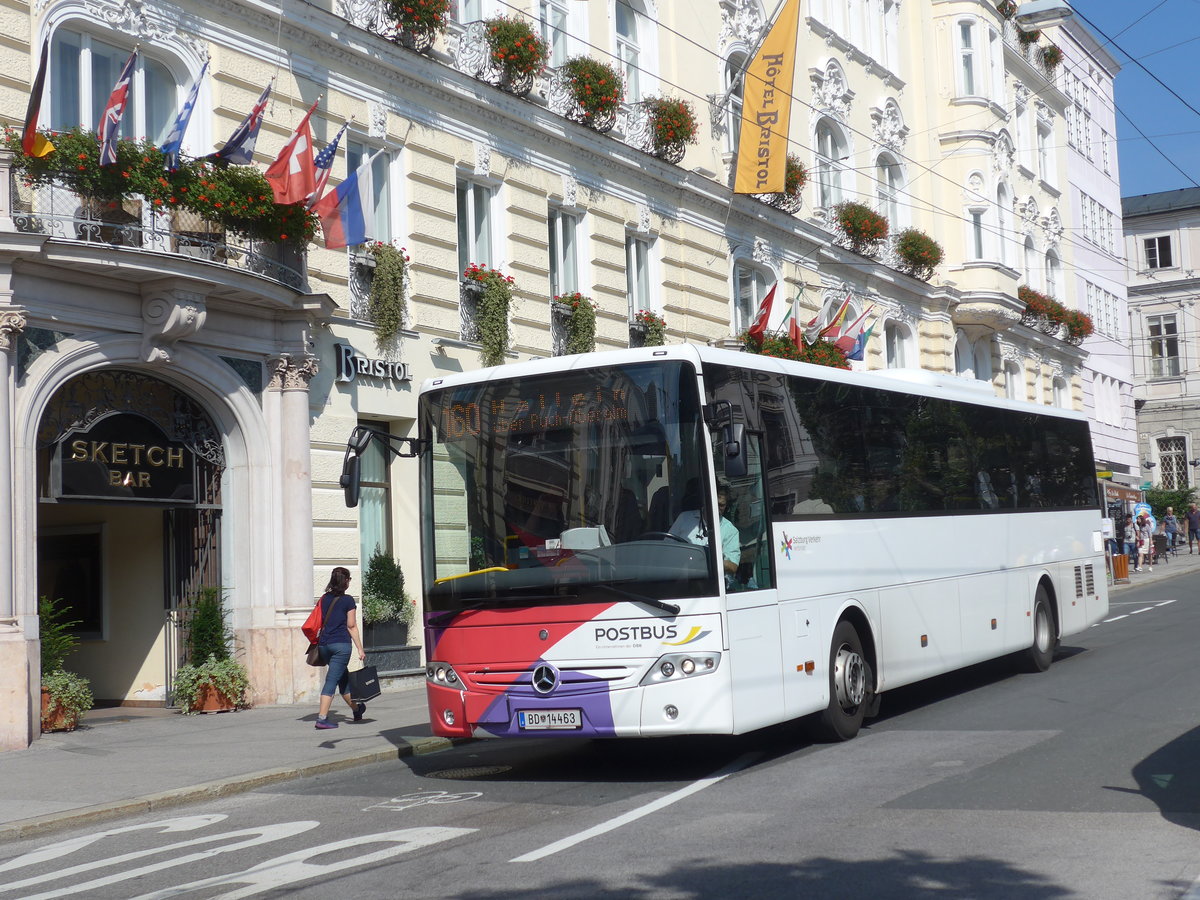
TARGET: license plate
(547,719)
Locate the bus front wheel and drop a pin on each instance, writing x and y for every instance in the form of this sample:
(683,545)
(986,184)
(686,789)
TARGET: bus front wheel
(850,687)
(1038,656)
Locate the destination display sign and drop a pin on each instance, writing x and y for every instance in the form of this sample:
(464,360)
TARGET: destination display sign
(541,410)
(123,456)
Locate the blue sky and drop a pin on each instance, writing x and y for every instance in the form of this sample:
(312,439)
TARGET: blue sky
(1164,37)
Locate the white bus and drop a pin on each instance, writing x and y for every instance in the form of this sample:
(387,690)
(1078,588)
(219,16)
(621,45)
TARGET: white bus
(685,540)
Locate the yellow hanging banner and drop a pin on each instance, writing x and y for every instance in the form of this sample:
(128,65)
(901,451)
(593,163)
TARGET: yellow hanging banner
(766,108)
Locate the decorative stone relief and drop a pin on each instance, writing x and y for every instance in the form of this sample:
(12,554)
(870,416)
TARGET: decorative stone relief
(1045,114)
(763,253)
(1003,153)
(1010,352)
(12,324)
(742,21)
(1027,210)
(483,159)
(831,97)
(888,126)
(150,23)
(377,118)
(1020,95)
(292,371)
(570,190)
(643,218)
(168,317)
(985,314)
(1052,228)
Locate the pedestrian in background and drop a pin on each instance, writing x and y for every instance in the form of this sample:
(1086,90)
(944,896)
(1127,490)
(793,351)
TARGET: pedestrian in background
(1193,525)
(1145,534)
(339,635)
(1130,539)
(1171,528)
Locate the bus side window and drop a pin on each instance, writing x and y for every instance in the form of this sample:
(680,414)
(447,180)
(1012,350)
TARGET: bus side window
(747,510)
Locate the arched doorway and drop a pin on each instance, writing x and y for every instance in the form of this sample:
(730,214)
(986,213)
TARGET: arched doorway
(129,523)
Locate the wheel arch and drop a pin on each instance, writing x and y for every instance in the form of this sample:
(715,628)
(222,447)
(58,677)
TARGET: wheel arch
(1048,583)
(857,617)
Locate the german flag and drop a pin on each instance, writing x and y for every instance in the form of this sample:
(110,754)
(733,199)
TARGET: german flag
(33,143)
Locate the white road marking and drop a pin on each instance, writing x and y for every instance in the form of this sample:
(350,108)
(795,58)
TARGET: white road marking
(62,848)
(1142,610)
(1164,603)
(1117,618)
(420,798)
(635,814)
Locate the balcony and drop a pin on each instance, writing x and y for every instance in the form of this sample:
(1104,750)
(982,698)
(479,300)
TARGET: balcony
(61,214)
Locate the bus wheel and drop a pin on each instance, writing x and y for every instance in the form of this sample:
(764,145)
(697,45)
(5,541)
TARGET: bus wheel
(1041,652)
(849,686)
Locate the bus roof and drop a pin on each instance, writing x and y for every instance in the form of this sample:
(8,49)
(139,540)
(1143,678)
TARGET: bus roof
(908,381)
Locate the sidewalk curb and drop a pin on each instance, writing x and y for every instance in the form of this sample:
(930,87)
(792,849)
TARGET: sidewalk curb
(222,787)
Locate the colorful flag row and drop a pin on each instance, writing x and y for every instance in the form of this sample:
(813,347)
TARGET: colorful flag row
(825,325)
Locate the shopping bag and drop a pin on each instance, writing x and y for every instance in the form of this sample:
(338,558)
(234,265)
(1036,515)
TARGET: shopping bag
(363,684)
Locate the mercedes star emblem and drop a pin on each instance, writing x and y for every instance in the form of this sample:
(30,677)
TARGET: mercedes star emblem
(545,678)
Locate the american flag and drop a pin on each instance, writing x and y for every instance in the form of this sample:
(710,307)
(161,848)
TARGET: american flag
(110,121)
(324,165)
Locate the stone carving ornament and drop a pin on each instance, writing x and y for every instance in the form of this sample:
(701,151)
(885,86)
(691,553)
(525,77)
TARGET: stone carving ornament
(1052,227)
(12,323)
(890,131)
(1003,154)
(151,23)
(742,22)
(1027,209)
(830,94)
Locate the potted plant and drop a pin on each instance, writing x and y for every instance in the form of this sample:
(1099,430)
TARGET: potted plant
(821,353)
(210,680)
(418,22)
(385,302)
(919,253)
(795,177)
(518,52)
(495,290)
(65,695)
(672,127)
(1079,326)
(387,610)
(581,321)
(1026,38)
(597,90)
(1052,55)
(650,327)
(1006,8)
(864,228)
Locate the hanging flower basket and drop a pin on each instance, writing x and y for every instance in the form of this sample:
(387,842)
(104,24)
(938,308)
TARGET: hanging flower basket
(418,22)
(517,51)
(791,198)
(385,302)
(1006,8)
(653,327)
(597,90)
(919,253)
(580,314)
(1079,326)
(1026,38)
(864,228)
(1052,56)
(491,313)
(672,127)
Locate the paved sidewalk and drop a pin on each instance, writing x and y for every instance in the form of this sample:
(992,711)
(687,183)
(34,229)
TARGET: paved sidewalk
(137,760)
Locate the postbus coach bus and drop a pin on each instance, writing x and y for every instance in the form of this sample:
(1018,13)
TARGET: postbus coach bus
(684,540)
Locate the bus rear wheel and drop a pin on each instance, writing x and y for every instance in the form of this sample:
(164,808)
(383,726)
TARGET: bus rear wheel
(1040,654)
(850,688)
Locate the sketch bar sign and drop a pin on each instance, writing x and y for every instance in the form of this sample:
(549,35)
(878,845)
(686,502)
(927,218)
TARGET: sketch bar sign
(123,456)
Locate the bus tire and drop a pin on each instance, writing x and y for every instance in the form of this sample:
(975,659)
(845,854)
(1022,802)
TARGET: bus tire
(850,686)
(1040,654)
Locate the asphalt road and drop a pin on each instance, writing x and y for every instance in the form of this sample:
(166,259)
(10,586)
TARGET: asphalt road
(1080,782)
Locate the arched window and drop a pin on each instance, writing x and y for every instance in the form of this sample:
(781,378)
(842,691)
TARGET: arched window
(889,182)
(831,154)
(735,84)
(749,286)
(84,68)
(964,356)
(982,354)
(1014,383)
(1030,263)
(1053,273)
(897,346)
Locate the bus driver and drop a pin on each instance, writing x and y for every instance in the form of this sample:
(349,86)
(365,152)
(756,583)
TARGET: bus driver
(690,526)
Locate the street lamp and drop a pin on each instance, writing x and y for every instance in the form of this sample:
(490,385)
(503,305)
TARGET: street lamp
(1043,13)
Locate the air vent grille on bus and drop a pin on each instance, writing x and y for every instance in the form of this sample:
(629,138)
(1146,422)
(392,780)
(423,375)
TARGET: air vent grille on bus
(1078,581)
(504,676)
(1091,580)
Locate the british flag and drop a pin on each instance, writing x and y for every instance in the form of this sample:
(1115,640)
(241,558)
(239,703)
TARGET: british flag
(110,121)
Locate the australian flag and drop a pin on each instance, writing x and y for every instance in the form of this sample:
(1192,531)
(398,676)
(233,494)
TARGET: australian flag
(110,121)
(239,149)
(174,141)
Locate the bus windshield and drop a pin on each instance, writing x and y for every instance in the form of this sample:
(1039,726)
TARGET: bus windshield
(571,487)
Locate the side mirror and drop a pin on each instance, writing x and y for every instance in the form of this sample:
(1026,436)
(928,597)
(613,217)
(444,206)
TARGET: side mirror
(734,438)
(349,481)
(360,440)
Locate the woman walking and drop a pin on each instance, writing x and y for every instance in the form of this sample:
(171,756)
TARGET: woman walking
(339,635)
(1145,535)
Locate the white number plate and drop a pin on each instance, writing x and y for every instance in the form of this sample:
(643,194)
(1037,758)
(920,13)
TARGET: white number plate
(545,719)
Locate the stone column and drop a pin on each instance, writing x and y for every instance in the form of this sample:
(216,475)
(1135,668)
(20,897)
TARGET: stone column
(291,377)
(12,323)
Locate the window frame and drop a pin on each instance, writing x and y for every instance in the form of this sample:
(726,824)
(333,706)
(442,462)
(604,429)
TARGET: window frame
(639,267)
(1154,260)
(565,268)
(479,196)
(385,203)
(1164,346)
(758,280)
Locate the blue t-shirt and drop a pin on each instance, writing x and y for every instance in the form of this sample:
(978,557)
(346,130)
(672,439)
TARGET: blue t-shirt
(336,606)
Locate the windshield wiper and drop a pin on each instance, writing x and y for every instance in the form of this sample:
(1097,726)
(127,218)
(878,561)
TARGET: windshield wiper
(497,603)
(671,608)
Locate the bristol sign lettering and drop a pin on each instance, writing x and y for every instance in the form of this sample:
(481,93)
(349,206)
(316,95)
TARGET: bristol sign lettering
(350,365)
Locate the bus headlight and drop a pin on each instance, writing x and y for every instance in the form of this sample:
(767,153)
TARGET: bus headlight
(440,673)
(675,666)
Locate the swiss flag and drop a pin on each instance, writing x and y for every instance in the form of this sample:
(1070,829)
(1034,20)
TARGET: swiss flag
(759,328)
(794,330)
(293,176)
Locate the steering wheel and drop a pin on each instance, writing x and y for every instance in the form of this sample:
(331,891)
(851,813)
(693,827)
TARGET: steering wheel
(662,536)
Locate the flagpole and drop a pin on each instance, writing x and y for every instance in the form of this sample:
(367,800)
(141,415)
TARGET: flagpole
(762,38)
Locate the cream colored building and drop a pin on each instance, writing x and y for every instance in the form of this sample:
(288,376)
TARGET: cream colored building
(931,113)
